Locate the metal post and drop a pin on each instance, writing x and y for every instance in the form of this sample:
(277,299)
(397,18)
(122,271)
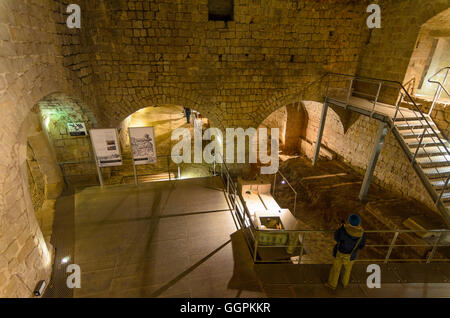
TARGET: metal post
(376,98)
(398,106)
(349,92)
(168,167)
(179,171)
(235,199)
(418,146)
(295,202)
(443,190)
(302,248)
(135,172)
(391,247)
(382,131)
(274,184)
(256,247)
(438,93)
(320,133)
(99,172)
(438,240)
(214,164)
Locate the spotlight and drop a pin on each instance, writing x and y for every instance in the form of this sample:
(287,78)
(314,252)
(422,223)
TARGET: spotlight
(39,289)
(65,260)
(283,182)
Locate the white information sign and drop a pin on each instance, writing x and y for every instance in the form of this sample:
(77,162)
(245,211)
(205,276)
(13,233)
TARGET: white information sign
(106,147)
(77,129)
(143,146)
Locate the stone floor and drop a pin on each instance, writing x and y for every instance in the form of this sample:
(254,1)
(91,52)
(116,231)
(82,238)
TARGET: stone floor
(179,239)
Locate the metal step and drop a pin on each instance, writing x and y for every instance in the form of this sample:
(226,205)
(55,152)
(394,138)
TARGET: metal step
(439,183)
(414,124)
(430,151)
(417,133)
(427,142)
(437,172)
(434,161)
(445,196)
(399,118)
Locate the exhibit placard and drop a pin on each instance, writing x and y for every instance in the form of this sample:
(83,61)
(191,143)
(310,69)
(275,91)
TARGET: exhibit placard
(106,147)
(143,146)
(76,129)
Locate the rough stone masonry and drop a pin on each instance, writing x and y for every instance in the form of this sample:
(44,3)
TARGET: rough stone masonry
(130,54)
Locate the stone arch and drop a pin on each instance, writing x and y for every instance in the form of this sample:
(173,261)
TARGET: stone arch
(164,96)
(292,121)
(314,90)
(429,53)
(30,257)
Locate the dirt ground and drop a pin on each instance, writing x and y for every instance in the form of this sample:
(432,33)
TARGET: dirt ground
(328,194)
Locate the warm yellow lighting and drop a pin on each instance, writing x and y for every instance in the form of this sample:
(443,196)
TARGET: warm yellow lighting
(47,121)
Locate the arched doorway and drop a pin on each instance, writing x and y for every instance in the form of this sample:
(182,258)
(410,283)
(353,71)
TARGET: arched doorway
(165,119)
(428,61)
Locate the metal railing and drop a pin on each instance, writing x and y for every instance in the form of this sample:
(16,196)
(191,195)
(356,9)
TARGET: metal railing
(405,115)
(284,181)
(441,86)
(295,239)
(161,158)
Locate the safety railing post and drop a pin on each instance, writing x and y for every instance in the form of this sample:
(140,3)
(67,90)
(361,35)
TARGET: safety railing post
(391,246)
(376,97)
(398,106)
(433,250)
(302,247)
(443,189)
(235,199)
(349,94)
(418,146)
(168,167)
(255,252)
(274,184)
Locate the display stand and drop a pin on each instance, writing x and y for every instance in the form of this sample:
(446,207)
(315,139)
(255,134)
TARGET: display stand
(135,173)
(99,171)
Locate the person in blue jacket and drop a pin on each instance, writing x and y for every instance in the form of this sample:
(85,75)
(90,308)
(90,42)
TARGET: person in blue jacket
(350,238)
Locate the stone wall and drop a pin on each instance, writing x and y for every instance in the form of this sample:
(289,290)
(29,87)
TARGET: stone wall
(56,112)
(236,73)
(31,67)
(388,50)
(135,53)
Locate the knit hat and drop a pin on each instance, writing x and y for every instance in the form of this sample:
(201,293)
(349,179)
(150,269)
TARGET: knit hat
(354,219)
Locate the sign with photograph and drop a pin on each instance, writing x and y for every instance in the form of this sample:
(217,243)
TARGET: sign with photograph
(143,146)
(106,147)
(77,129)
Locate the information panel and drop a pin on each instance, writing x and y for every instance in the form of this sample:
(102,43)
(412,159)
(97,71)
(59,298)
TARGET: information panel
(106,147)
(77,129)
(142,141)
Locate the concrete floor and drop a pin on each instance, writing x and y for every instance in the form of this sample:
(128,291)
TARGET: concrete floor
(158,239)
(179,239)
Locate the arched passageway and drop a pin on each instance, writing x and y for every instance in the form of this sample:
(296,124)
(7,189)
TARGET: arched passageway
(165,119)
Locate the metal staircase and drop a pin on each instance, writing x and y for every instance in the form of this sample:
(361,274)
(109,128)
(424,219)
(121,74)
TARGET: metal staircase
(427,149)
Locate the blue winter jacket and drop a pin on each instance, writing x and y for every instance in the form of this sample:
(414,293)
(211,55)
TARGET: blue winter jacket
(346,237)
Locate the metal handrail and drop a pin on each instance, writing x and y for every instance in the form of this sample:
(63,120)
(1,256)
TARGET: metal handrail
(440,87)
(246,222)
(439,83)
